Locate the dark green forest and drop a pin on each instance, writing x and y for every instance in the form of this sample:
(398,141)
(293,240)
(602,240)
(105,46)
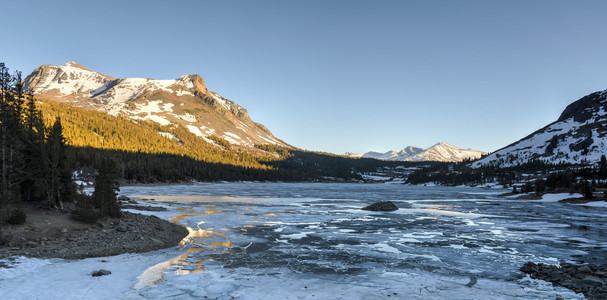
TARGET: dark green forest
(531,177)
(144,153)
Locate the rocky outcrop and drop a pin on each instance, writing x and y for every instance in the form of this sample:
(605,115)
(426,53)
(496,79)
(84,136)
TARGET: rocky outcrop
(591,280)
(381,206)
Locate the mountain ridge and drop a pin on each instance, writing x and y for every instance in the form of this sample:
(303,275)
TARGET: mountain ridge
(438,152)
(184,101)
(578,135)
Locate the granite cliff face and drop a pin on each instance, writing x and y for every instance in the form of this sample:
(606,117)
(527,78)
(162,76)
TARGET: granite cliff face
(184,101)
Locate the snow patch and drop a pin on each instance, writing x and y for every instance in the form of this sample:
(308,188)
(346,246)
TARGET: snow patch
(560,196)
(187,117)
(595,204)
(195,130)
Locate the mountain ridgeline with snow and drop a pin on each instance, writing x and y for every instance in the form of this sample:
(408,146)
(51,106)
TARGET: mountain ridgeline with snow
(184,101)
(439,152)
(579,135)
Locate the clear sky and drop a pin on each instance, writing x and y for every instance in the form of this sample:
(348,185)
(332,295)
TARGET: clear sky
(341,76)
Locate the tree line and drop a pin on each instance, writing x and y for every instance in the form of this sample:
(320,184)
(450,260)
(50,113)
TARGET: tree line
(147,152)
(34,161)
(535,176)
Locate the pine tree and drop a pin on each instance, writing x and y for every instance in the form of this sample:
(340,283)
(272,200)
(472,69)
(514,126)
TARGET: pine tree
(32,187)
(4,95)
(85,208)
(603,167)
(10,144)
(106,186)
(59,186)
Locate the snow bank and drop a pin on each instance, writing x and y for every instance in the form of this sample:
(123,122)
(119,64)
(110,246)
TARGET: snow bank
(559,197)
(596,204)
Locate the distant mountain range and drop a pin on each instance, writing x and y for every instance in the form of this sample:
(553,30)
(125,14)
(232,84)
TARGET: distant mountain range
(184,101)
(579,134)
(439,152)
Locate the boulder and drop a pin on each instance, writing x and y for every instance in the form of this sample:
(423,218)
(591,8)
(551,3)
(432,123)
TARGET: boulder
(381,206)
(101,272)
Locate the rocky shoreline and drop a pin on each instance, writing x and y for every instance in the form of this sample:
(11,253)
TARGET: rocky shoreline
(591,280)
(52,234)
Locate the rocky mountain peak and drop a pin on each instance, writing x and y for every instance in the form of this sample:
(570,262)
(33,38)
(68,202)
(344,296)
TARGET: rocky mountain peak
(584,108)
(579,135)
(410,150)
(197,81)
(75,65)
(55,82)
(439,152)
(184,101)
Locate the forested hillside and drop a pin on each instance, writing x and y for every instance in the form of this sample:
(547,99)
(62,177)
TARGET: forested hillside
(148,152)
(89,128)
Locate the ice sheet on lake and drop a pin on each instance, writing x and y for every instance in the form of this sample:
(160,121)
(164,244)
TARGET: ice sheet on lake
(293,241)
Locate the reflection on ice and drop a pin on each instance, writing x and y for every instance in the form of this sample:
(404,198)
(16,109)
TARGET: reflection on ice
(197,240)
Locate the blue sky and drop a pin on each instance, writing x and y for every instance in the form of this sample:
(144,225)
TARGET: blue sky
(341,76)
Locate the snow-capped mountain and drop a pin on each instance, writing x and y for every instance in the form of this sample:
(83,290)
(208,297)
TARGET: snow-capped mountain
(579,134)
(183,101)
(439,152)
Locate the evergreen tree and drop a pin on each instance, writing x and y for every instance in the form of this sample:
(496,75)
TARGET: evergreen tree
(540,187)
(85,208)
(59,185)
(603,167)
(54,142)
(32,187)
(106,186)
(11,167)
(4,95)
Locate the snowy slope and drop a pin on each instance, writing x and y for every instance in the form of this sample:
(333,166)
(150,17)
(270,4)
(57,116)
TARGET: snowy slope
(184,101)
(353,155)
(445,152)
(383,156)
(56,82)
(439,152)
(580,134)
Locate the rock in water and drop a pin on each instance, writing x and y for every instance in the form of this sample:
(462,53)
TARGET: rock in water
(472,282)
(123,198)
(101,272)
(381,206)
(591,279)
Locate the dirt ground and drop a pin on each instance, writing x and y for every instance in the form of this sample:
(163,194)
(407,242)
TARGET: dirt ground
(49,233)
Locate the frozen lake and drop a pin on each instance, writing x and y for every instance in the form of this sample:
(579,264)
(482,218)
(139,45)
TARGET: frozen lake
(312,241)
